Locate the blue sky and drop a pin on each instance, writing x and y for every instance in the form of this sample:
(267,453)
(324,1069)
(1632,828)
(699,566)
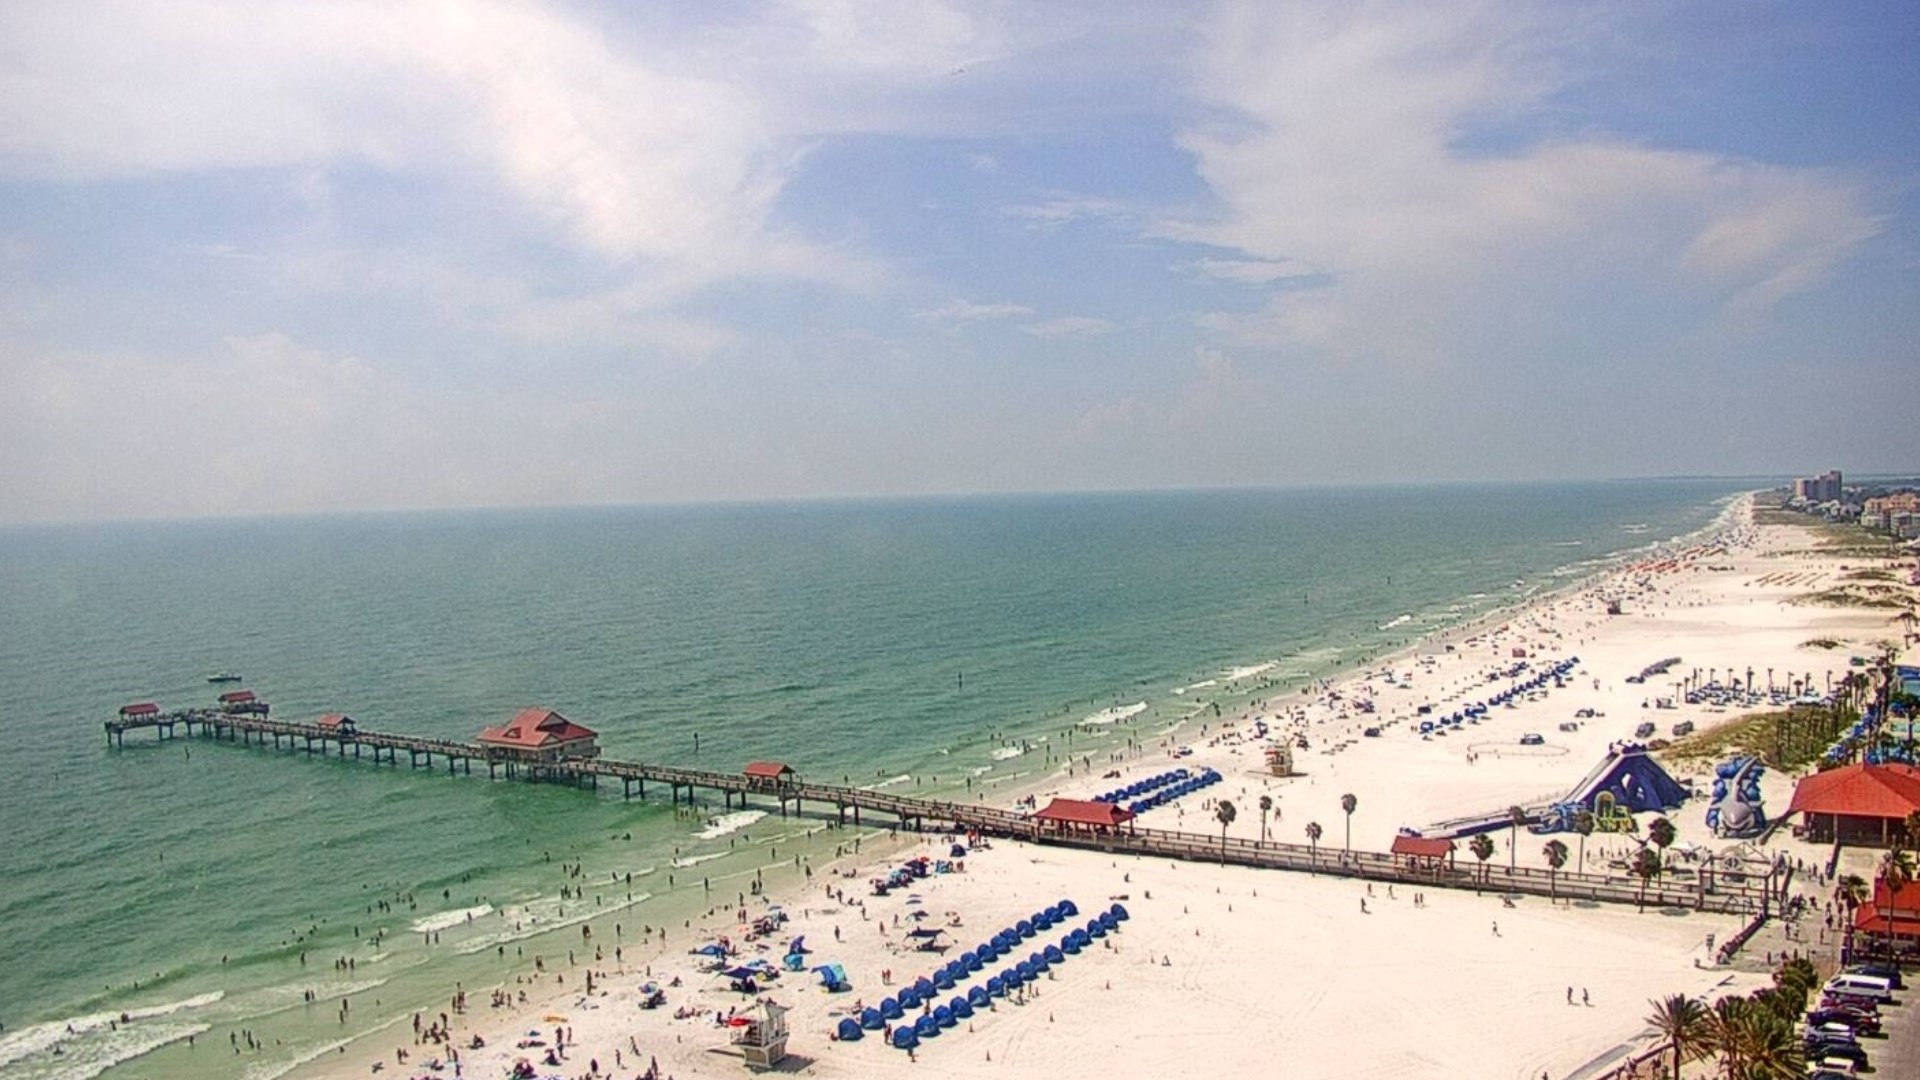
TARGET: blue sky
(274,257)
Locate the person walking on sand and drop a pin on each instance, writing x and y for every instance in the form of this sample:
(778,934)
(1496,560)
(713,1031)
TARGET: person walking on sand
(1496,929)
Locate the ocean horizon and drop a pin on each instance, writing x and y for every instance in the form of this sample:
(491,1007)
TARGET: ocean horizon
(922,642)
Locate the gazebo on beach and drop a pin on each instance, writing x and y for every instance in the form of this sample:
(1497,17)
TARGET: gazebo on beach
(1066,817)
(1425,853)
(1857,804)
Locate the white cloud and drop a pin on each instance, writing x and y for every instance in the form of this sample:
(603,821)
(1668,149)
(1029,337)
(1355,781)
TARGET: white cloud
(1338,146)
(965,311)
(1256,271)
(1071,326)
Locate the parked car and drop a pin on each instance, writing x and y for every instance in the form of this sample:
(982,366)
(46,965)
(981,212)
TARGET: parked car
(1825,1050)
(1644,731)
(1532,739)
(1860,1020)
(1889,972)
(1684,727)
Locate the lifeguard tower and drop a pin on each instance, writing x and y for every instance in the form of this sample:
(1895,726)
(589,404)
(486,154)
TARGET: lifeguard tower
(762,1040)
(1280,759)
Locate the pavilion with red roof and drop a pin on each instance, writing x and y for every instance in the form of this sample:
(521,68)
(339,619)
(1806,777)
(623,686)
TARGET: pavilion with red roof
(769,775)
(1068,816)
(1862,804)
(139,709)
(1891,914)
(540,735)
(1422,852)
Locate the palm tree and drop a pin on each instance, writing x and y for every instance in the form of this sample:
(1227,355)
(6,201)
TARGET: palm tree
(1349,804)
(1661,832)
(1556,853)
(1723,1030)
(1769,1048)
(1266,807)
(1583,824)
(1313,846)
(1682,1022)
(1896,869)
(1224,813)
(1646,864)
(1852,889)
(1482,849)
(1516,817)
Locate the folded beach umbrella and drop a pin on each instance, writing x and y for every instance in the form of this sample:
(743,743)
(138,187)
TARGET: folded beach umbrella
(904,1038)
(926,1027)
(1052,954)
(943,1016)
(871,1019)
(890,1009)
(848,1030)
(978,997)
(1118,912)
(961,1008)
(1067,909)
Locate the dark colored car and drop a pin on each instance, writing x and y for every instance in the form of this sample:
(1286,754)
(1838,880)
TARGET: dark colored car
(1849,1001)
(1861,1021)
(1818,1050)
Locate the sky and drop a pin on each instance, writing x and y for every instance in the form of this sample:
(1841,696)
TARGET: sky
(273,257)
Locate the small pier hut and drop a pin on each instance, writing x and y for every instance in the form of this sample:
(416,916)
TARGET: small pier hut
(771,776)
(540,735)
(1082,817)
(243,703)
(1857,804)
(1426,854)
(337,724)
(139,710)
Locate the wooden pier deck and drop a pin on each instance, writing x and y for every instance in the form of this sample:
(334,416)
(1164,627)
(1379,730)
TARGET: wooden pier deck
(1708,890)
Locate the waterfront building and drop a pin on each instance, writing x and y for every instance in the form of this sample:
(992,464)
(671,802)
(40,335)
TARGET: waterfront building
(541,735)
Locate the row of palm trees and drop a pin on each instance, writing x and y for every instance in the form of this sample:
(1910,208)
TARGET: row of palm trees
(1755,1037)
(1226,814)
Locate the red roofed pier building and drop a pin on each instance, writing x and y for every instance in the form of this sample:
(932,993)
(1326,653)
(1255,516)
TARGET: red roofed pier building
(1423,852)
(1067,817)
(770,776)
(540,735)
(1891,918)
(1857,804)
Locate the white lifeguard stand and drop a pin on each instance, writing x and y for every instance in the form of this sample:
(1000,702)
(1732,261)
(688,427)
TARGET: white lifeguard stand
(762,1041)
(1280,759)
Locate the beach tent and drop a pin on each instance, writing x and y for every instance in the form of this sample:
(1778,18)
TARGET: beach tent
(943,1016)
(1071,944)
(942,980)
(926,1027)
(923,986)
(1635,781)
(712,948)
(1025,928)
(848,1030)
(741,972)
(996,986)
(1096,929)
(1052,954)
(909,999)
(1025,971)
(832,976)
(962,1008)
(1039,961)
(904,1038)
(871,1019)
(890,1009)
(1118,912)
(1067,909)
(978,997)
(970,961)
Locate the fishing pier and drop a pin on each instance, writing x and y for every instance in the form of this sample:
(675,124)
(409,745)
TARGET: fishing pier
(540,745)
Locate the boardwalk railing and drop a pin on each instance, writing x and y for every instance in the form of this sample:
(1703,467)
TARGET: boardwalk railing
(1753,896)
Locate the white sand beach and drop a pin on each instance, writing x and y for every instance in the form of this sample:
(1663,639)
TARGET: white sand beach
(1227,971)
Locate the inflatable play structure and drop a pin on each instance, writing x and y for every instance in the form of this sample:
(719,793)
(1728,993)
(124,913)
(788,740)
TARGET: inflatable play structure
(1736,809)
(1626,783)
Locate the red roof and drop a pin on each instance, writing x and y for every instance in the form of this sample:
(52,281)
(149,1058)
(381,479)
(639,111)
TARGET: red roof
(767,770)
(236,697)
(533,729)
(334,719)
(1083,812)
(1893,912)
(1427,847)
(1882,791)
(144,708)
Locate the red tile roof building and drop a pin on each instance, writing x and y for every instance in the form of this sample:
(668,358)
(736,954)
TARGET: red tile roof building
(1079,815)
(1417,848)
(1889,913)
(1857,803)
(769,774)
(540,735)
(144,708)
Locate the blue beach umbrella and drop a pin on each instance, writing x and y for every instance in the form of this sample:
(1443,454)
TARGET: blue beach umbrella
(970,961)
(1066,908)
(849,1030)
(1025,971)
(942,980)
(978,997)
(926,1027)
(871,1019)
(943,1016)
(1118,912)
(923,986)
(904,1038)
(890,1009)
(1070,944)
(996,986)
(1025,926)
(1052,954)
(909,999)
(961,1008)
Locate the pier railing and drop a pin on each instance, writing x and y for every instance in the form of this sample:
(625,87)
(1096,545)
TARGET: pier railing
(1749,895)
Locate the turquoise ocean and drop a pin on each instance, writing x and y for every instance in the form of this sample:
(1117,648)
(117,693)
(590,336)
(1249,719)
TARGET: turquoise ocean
(206,889)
